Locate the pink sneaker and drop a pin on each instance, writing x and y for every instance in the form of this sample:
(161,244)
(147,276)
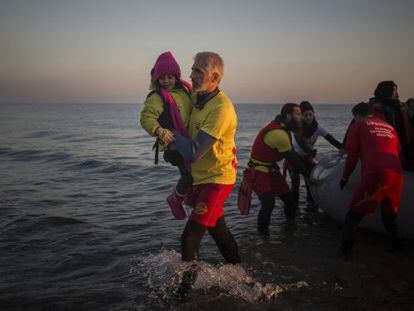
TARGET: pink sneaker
(175,200)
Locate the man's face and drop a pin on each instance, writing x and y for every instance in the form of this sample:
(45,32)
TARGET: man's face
(293,120)
(201,78)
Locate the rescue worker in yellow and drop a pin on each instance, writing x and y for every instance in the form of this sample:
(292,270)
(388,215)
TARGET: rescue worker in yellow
(211,150)
(272,144)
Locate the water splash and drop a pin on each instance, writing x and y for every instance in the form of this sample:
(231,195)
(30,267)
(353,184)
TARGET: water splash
(165,270)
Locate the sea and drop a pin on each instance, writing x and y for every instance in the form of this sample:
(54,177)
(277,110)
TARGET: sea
(84,225)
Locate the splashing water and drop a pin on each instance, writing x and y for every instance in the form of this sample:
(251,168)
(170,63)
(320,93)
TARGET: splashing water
(165,271)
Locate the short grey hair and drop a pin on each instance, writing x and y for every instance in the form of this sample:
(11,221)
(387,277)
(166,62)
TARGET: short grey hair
(211,61)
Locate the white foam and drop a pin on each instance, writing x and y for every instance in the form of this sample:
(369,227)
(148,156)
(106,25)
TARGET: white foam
(166,268)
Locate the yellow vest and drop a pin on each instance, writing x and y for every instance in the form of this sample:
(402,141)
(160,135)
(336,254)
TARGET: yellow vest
(219,120)
(275,139)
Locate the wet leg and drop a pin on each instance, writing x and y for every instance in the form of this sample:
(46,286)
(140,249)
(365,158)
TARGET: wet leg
(349,233)
(289,205)
(267,200)
(190,246)
(225,241)
(295,178)
(390,224)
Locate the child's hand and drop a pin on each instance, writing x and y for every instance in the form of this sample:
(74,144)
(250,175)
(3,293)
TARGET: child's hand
(165,135)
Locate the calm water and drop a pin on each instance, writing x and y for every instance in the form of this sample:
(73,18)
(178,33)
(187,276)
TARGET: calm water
(84,224)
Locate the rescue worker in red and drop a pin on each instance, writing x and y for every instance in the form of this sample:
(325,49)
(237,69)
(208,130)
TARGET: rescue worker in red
(273,144)
(387,106)
(376,143)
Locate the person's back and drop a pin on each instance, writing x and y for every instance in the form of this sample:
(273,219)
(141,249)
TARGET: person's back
(377,143)
(409,107)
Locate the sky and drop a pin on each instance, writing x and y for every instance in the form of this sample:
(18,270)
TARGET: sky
(99,51)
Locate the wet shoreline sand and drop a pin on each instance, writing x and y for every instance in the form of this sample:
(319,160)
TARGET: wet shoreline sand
(302,260)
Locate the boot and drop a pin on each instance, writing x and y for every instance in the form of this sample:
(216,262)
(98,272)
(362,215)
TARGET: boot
(187,281)
(175,201)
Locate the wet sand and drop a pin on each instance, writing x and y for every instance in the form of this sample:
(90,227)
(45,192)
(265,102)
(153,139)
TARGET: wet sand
(302,260)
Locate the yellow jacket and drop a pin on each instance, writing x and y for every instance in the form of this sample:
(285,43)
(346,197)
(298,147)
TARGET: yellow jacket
(154,106)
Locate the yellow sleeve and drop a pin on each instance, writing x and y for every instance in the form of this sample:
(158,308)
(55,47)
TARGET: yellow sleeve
(219,120)
(153,107)
(277,139)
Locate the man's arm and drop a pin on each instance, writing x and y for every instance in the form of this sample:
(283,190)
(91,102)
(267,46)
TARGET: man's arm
(192,150)
(297,163)
(333,141)
(350,164)
(346,133)
(351,161)
(305,147)
(353,149)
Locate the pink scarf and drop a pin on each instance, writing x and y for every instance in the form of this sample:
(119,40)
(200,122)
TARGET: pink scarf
(176,119)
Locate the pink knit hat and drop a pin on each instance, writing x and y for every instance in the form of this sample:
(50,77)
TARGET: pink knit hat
(165,64)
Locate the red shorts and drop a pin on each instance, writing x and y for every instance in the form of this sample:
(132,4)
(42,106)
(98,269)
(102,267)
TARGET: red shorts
(207,200)
(382,188)
(269,182)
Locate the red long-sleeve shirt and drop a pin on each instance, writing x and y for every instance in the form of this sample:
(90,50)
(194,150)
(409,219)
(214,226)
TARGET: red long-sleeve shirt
(376,143)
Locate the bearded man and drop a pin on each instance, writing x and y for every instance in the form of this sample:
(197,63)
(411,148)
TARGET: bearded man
(273,144)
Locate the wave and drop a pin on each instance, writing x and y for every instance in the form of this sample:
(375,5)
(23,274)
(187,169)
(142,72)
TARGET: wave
(119,168)
(32,224)
(87,164)
(57,156)
(34,155)
(64,136)
(165,272)
(59,221)
(38,134)
(25,155)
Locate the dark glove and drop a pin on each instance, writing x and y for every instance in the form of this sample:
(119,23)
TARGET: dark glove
(310,161)
(342,183)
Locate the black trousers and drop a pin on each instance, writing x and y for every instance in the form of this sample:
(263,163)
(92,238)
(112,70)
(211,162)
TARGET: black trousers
(350,228)
(267,201)
(194,233)
(186,180)
(295,178)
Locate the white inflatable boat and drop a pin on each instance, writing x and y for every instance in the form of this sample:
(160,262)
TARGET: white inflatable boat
(335,202)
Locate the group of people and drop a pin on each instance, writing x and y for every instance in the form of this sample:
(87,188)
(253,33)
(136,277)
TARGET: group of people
(194,125)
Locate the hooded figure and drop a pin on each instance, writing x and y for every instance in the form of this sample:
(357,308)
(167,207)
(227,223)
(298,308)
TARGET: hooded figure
(409,107)
(386,103)
(387,107)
